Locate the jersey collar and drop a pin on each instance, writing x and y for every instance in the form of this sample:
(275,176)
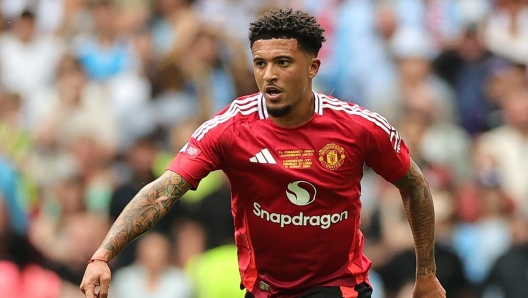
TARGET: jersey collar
(263,112)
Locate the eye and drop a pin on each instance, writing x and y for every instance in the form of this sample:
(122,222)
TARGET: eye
(259,63)
(284,62)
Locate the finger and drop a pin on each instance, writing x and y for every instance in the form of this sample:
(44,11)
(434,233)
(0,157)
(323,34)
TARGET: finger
(84,284)
(89,291)
(105,285)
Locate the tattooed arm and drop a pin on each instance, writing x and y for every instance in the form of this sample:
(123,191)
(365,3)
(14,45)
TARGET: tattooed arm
(418,205)
(151,203)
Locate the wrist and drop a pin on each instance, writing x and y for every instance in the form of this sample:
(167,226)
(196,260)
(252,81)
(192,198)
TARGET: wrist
(102,254)
(92,260)
(426,270)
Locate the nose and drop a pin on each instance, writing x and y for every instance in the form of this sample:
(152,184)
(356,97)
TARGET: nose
(270,73)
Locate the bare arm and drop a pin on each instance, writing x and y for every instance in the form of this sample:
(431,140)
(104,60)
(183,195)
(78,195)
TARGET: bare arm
(151,203)
(418,205)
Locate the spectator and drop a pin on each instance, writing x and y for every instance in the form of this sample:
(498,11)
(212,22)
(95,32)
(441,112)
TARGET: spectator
(480,243)
(16,144)
(12,196)
(22,268)
(215,273)
(503,149)
(69,140)
(15,139)
(507,278)
(439,19)
(151,275)
(398,271)
(467,68)
(107,52)
(59,230)
(414,54)
(76,20)
(131,90)
(27,60)
(217,68)
(67,110)
(354,58)
(506,30)
(173,23)
(434,140)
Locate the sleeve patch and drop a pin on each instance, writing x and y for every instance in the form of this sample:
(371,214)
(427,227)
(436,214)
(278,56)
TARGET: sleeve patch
(190,150)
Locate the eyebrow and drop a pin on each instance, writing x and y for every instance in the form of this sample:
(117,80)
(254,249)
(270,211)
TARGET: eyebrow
(282,57)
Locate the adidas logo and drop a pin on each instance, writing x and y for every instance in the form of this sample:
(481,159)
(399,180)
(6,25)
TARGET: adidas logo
(264,156)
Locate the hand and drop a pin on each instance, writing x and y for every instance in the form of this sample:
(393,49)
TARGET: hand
(97,274)
(428,286)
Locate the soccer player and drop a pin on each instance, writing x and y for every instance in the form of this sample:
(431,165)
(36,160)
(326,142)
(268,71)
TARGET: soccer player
(294,159)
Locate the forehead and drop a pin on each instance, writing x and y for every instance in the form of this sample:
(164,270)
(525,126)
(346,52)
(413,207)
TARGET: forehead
(265,48)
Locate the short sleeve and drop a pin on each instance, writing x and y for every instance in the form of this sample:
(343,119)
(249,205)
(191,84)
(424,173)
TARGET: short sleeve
(387,154)
(198,157)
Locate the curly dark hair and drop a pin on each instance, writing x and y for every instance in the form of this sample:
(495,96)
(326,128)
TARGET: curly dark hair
(286,23)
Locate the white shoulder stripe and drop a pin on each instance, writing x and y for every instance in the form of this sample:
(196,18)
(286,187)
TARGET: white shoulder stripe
(335,101)
(358,113)
(375,115)
(374,118)
(235,107)
(358,108)
(239,102)
(355,106)
(200,136)
(232,111)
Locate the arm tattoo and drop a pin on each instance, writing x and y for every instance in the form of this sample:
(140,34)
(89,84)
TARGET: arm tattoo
(418,205)
(150,204)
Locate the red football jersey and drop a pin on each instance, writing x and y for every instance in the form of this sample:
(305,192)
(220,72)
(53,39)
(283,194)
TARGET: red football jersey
(295,191)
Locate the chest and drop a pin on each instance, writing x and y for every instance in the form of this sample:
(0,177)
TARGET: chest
(317,151)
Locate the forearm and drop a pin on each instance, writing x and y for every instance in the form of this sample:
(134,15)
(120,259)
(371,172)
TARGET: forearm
(150,204)
(418,205)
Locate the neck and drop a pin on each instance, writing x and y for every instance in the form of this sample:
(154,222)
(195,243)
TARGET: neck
(301,113)
(152,281)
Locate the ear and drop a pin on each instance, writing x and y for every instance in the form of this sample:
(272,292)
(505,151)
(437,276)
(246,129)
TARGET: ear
(314,67)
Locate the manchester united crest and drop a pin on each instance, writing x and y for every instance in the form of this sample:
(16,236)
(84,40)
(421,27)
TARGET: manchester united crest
(332,156)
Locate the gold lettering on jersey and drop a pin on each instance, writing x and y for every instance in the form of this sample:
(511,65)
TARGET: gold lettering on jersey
(332,156)
(297,158)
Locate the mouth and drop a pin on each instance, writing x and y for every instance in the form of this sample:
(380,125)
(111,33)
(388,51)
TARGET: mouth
(272,92)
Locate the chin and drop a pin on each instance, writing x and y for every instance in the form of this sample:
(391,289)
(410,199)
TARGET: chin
(278,111)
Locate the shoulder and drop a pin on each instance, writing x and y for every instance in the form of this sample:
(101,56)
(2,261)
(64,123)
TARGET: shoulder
(355,115)
(243,109)
(497,138)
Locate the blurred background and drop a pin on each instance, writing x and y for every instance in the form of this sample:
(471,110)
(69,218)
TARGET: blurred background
(96,97)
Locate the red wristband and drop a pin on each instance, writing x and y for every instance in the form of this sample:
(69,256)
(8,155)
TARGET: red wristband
(101,260)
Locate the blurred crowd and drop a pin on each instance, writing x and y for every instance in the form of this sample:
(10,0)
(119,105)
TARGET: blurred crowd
(97,96)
